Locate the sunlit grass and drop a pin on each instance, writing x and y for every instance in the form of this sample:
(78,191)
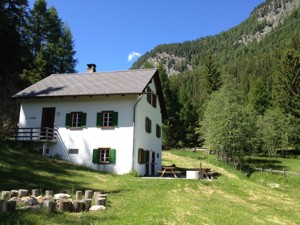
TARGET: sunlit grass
(231,198)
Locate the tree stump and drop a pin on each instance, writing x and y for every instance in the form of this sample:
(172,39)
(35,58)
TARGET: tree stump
(51,207)
(14,193)
(100,201)
(96,193)
(78,195)
(5,195)
(103,196)
(22,193)
(87,203)
(88,194)
(49,193)
(2,206)
(78,205)
(35,192)
(64,205)
(10,206)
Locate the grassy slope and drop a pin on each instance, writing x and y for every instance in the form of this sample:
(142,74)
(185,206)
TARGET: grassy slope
(230,199)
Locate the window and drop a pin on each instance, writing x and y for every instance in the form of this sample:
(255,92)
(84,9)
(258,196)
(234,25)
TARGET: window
(148,125)
(73,151)
(104,156)
(107,119)
(158,131)
(151,97)
(75,120)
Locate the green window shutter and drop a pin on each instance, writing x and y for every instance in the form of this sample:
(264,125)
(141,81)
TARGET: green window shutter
(68,120)
(83,120)
(99,119)
(154,100)
(95,156)
(140,156)
(149,95)
(112,156)
(147,124)
(150,126)
(115,118)
(145,156)
(158,131)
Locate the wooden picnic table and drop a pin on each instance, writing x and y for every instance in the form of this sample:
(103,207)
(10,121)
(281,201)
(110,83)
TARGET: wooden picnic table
(169,170)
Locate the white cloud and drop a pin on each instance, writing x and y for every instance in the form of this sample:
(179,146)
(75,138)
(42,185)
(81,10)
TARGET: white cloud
(132,55)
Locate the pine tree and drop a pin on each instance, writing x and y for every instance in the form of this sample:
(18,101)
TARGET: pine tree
(211,74)
(286,88)
(52,44)
(14,53)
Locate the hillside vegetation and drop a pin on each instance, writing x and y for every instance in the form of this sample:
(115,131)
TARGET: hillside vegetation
(236,92)
(230,198)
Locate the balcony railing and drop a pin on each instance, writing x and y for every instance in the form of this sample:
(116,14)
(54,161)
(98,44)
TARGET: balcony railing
(37,134)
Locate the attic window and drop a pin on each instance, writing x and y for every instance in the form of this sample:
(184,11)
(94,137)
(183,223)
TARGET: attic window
(151,97)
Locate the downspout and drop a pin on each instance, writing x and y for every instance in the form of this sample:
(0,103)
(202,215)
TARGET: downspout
(134,117)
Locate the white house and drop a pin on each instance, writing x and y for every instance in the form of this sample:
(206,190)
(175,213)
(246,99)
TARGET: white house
(109,121)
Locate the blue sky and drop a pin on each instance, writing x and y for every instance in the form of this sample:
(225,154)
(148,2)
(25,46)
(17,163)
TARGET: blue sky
(107,31)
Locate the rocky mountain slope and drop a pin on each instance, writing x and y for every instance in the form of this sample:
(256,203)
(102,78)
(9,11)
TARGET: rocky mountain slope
(265,19)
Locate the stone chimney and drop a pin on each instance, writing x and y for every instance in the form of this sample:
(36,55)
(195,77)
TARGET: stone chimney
(91,68)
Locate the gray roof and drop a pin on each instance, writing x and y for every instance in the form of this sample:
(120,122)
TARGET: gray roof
(92,84)
(89,84)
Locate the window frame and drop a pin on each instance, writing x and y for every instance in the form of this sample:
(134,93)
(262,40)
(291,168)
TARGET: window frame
(78,124)
(75,125)
(106,159)
(102,122)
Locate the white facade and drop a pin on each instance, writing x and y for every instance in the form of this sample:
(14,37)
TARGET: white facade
(126,138)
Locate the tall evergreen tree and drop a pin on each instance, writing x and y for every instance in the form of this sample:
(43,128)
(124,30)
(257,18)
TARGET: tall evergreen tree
(211,74)
(14,53)
(286,88)
(52,44)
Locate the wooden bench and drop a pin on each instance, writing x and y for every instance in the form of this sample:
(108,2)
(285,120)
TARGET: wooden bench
(174,172)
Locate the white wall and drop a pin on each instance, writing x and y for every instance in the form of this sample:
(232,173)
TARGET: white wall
(144,140)
(87,139)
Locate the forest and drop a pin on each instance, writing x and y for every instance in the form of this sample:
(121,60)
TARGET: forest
(237,92)
(240,97)
(34,43)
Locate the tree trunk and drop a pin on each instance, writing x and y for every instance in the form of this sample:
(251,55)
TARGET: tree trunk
(5,195)
(49,193)
(78,195)
(2,206)
(51,207)
(10,206)
(87,203)
(88,194)
(78,206)
(22,193)
(101,201)
(64,206)
(35,192)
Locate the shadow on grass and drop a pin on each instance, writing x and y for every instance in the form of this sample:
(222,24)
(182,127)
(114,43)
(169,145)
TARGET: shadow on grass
(250,164)
(21,168)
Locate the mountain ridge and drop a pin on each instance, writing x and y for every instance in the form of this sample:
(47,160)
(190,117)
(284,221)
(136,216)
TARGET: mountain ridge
(265,19)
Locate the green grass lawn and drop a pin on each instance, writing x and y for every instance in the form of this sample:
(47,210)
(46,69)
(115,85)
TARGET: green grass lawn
(231,198)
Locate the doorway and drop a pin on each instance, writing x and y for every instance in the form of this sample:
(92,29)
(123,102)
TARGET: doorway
(48,117)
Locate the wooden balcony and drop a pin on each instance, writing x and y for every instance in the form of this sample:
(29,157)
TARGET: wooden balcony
(35,134)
